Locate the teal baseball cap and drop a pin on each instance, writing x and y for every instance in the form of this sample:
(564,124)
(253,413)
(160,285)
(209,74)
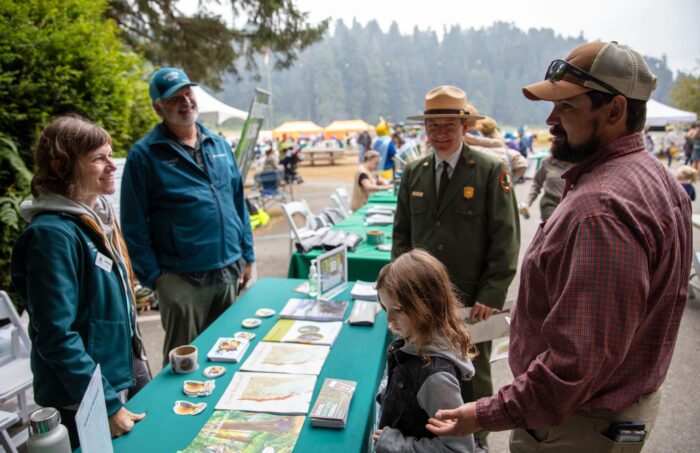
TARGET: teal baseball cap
(166,81)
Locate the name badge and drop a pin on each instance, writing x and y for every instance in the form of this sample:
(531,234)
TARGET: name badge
(103,262)
(416,194)
(468,192)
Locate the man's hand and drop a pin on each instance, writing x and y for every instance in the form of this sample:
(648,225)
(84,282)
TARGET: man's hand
(377,434)
(123,421)
(459,422)
(480,312)
(246,275)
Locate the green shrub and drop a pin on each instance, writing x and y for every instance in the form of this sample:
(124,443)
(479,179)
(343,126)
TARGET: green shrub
(64,57)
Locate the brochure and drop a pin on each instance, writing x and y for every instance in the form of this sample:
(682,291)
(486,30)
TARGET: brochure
(286,358)
(333,403)
(306,332)
(268,392)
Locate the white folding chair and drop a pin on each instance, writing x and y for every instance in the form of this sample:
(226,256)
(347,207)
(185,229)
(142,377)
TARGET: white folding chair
(340,205)
(300,232)
(7,419)
(15,375)
(344,197)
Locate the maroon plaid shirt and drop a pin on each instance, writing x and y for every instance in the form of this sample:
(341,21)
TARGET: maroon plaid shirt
(602,291)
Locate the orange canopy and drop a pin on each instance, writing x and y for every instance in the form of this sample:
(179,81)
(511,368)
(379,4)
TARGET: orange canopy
(341,129)
(296,128)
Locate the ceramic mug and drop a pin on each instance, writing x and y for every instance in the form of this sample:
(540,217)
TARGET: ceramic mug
(375,237)
(183,359)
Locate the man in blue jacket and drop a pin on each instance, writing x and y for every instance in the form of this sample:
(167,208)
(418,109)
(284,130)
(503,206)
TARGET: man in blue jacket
(183,214)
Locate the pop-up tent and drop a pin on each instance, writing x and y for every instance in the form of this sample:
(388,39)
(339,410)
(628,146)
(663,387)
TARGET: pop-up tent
(296,128)
(659,114)
(341,129)
(213,110)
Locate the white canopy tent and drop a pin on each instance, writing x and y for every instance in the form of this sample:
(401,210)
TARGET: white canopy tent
(659,114)
(213,110)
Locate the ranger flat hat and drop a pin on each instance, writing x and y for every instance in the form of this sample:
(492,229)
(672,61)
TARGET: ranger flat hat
(446,101)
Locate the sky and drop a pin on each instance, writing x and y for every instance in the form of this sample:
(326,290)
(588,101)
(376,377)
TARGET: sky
(646,26)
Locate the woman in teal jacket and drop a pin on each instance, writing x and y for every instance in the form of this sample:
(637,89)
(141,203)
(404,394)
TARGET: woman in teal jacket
(72,271)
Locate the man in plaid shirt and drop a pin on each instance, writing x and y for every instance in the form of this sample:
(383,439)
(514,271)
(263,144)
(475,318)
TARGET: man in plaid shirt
(603,283)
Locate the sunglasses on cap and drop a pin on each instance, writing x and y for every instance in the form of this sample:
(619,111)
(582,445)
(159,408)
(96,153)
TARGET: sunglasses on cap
(558,68)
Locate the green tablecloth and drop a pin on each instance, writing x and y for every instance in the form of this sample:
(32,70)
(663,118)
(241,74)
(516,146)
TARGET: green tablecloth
(363,264)
(383,197)
(359,354)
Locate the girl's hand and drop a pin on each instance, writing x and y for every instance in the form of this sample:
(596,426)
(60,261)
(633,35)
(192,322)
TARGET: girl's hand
(377,434)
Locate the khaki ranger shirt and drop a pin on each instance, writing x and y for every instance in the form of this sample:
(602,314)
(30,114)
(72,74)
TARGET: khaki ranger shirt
(475,232)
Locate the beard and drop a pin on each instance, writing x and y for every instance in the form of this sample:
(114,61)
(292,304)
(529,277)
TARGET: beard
(565,151)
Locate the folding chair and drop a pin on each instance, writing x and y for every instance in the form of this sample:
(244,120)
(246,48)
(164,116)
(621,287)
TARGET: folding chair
(7,419)
(268,182)
(344,198)
(311,222)
(15,375)
(340,205)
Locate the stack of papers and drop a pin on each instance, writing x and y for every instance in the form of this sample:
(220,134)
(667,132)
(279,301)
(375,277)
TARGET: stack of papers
(363,313)
(364,291)
(333,403)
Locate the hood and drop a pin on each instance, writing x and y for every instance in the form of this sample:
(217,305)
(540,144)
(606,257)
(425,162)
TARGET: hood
(438,348)
(51,202)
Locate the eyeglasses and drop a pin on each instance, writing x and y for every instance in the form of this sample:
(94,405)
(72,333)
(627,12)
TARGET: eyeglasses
(558,68)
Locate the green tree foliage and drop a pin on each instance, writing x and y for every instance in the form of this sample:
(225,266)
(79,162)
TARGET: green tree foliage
(56,58)
(685,93)
(63,57)
(388,73)
(16,178)
(204,45)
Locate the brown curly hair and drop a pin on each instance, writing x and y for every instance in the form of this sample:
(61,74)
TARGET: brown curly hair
(56,154)
(421,285)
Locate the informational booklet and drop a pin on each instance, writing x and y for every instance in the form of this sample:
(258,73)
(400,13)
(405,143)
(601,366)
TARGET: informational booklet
(286,358)
(307,332)
(364,291)
(268,392)
(247,432)
(314,310)
(228,349)
(363,313)
(379,219)
(333,403)
(381,209)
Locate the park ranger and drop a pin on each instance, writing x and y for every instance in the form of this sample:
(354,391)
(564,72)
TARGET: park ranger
(458,204)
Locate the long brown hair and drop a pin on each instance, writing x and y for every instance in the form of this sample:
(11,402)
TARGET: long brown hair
(56,155)
(422,287)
